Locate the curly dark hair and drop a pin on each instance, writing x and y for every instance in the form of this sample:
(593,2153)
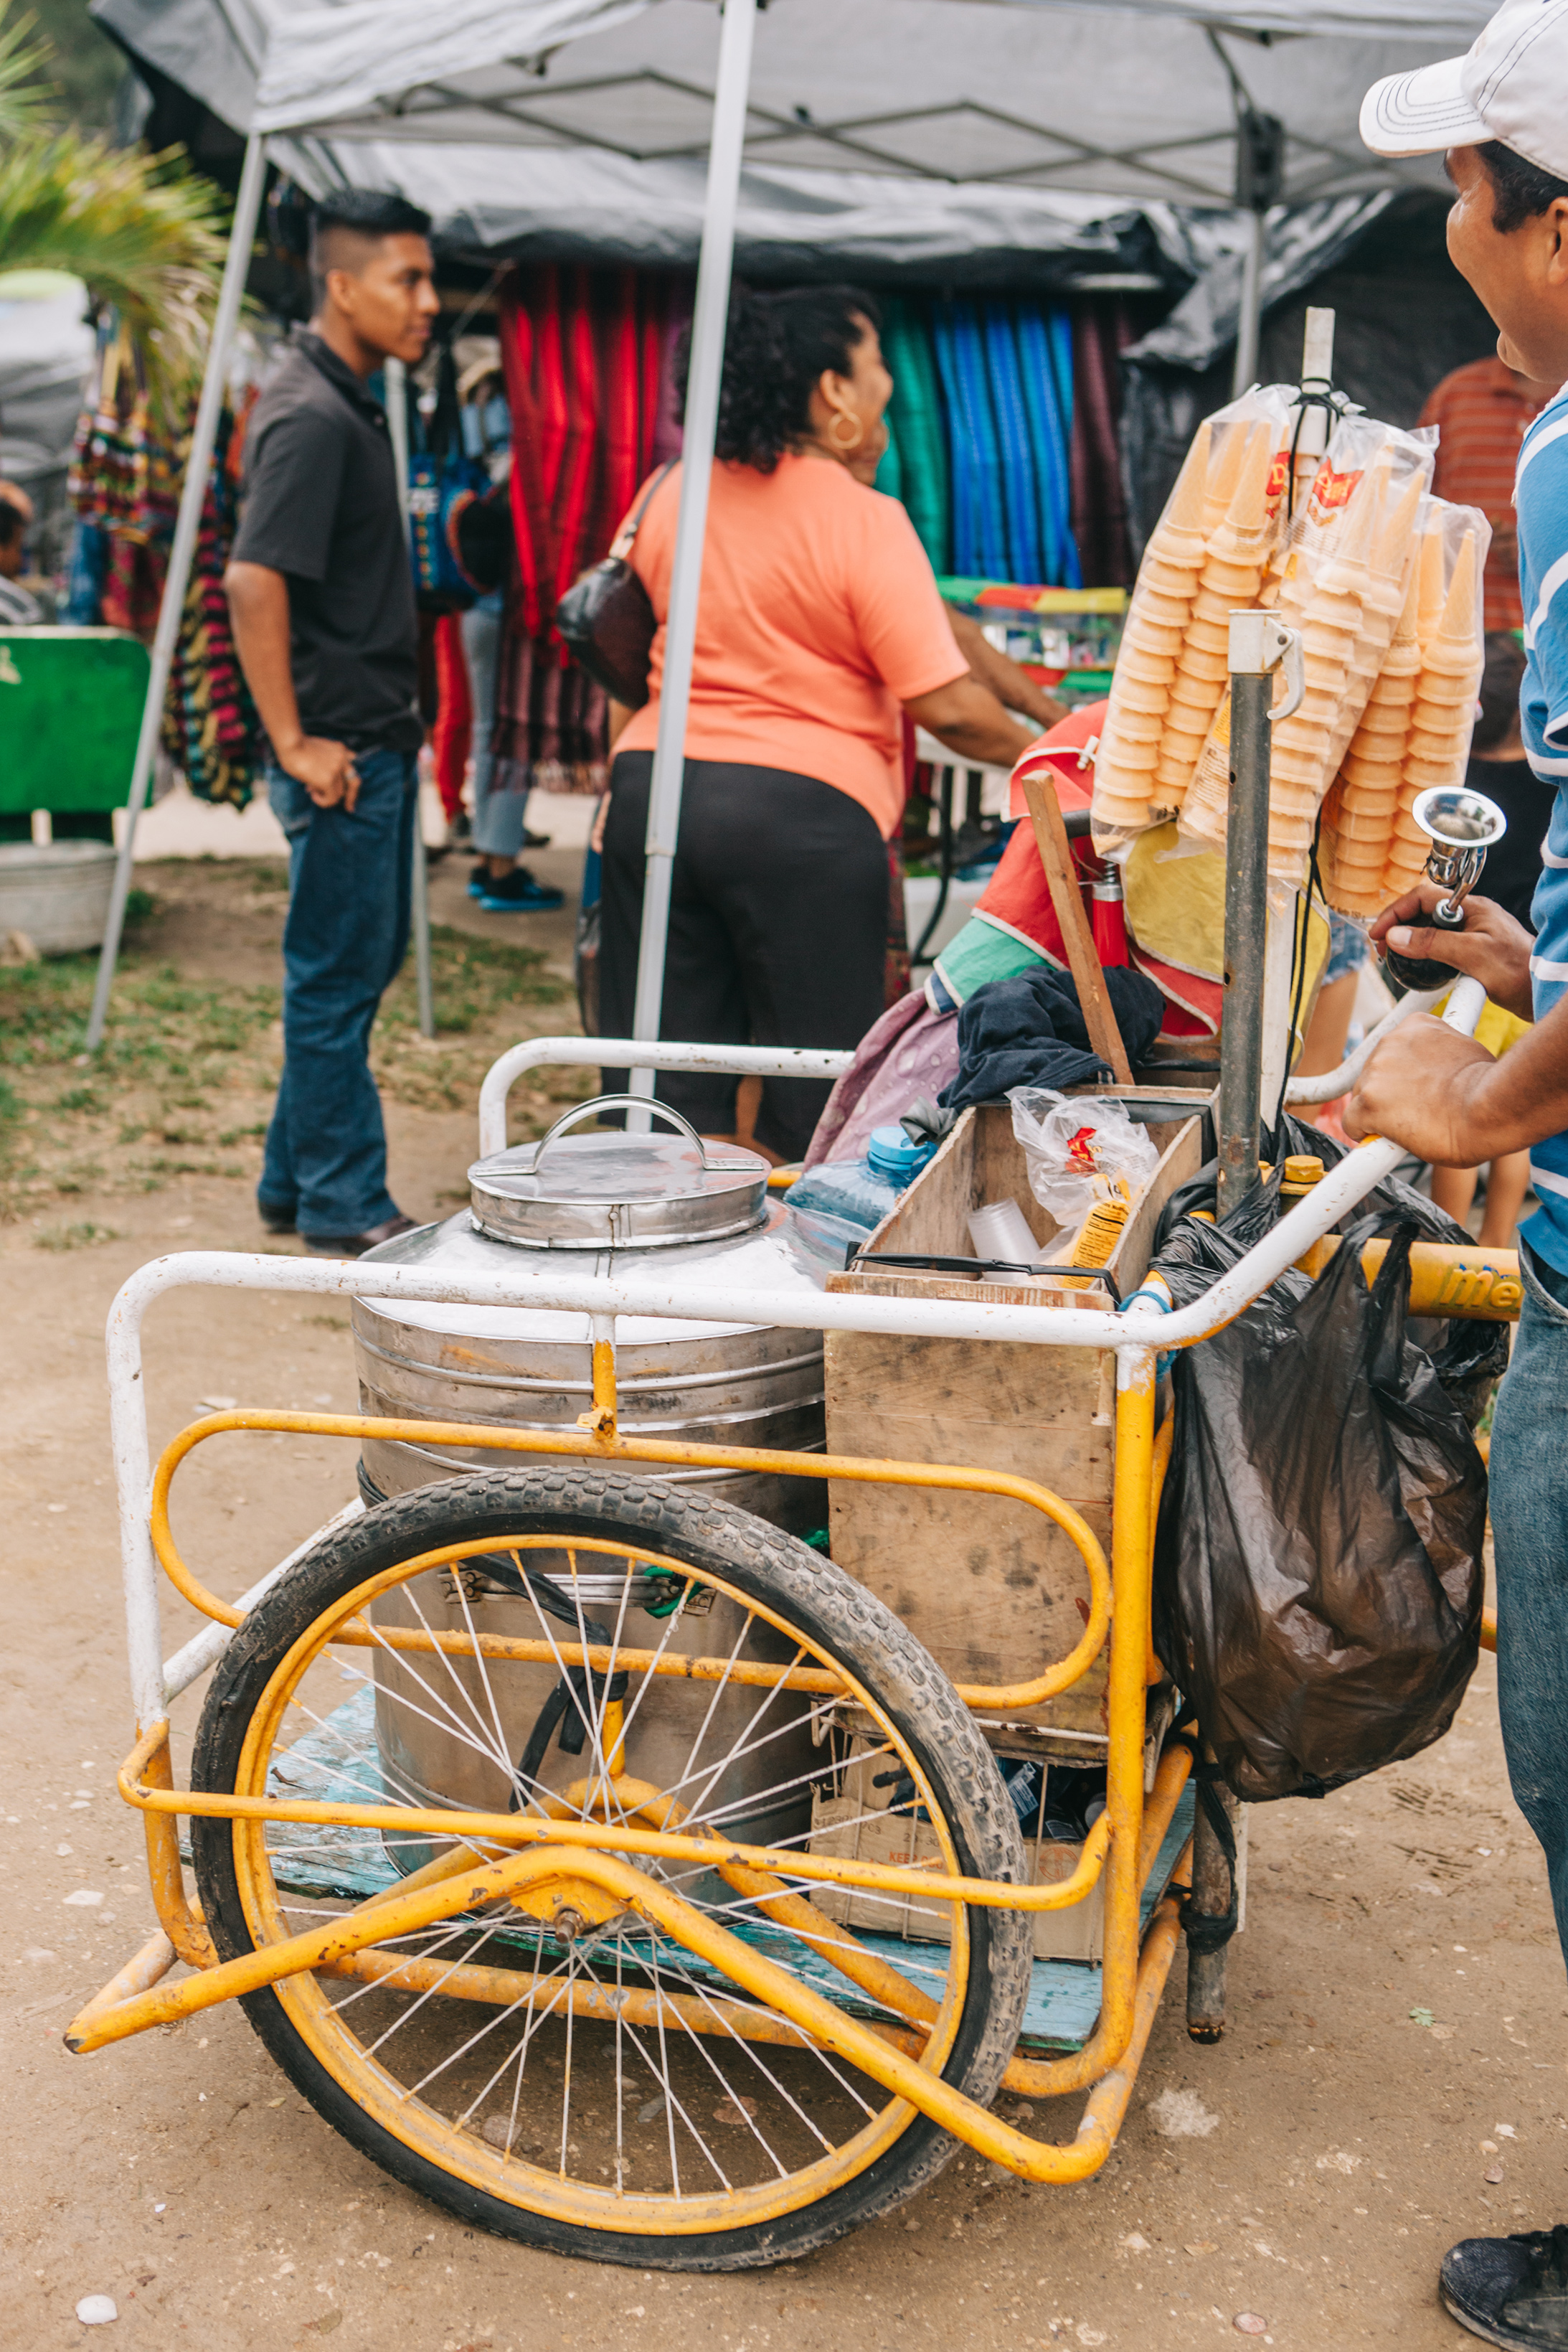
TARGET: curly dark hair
(1521,190)
(776,347)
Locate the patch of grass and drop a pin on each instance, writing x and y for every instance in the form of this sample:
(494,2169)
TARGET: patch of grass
(84,1235)
(477,982)
(327,1322)
(141,906)
(189,1065)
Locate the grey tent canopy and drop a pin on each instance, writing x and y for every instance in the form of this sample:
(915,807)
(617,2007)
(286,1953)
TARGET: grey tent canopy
(1137,103)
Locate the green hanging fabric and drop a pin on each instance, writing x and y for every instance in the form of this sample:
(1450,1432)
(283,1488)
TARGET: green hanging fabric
(915,421)
(890,472)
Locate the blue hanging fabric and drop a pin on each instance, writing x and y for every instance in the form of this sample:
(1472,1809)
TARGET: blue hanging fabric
(980,424)
(890,471)
(1024,555)
(1047,441)
(962,470)
(1060,327)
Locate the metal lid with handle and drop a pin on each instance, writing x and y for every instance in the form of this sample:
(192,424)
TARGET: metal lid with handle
(616,1189)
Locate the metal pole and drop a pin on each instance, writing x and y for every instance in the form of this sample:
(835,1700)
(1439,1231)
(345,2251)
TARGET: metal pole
(395,376)
(708,320)
(1246,902)
(198,465)
(1248,324)
(1215,1888)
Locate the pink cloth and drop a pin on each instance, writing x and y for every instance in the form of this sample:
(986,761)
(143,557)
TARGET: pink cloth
(911,1051)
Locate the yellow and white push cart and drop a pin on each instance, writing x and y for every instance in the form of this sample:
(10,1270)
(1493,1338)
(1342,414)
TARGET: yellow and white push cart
(598,1856)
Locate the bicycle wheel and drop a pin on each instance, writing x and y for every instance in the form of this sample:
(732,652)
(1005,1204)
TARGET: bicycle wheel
(582,2080)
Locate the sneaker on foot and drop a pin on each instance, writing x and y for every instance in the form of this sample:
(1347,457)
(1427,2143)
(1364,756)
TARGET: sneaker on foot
(1511,2291)
(516,892)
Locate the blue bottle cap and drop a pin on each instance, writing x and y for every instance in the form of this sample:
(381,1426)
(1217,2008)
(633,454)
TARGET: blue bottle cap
(890,1153)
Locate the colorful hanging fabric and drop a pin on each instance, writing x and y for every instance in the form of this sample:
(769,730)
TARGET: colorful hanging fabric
(1099,499)
(915,423)
(586,358)
(451,736)
(210,730)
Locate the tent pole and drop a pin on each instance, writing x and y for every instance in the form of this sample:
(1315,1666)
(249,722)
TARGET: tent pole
(395,376)
(709,321)
(198,465)
(1249,323)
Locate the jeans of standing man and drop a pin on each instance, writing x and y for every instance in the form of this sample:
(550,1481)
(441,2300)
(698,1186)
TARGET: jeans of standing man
(350,886)
(1529,1530)
(499,817)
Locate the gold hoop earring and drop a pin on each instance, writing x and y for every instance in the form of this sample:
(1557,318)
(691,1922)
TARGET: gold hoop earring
(846,448)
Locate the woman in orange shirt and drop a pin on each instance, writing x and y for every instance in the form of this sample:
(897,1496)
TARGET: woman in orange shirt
(818,621)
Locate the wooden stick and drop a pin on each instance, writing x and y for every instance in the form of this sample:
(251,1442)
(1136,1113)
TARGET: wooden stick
(1062,878)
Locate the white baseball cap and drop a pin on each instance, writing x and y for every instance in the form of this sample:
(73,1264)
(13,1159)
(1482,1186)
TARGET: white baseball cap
(1512,86)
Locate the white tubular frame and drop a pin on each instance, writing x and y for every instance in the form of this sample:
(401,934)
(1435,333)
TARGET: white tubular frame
(1134,1336)
(1329,1084)
(622,1053)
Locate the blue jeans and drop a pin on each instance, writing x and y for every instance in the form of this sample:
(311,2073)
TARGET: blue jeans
(497,816)
(1529,1530)
(350,884)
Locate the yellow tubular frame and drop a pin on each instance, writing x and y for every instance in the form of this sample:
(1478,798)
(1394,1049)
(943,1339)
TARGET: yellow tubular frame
(1120,1849)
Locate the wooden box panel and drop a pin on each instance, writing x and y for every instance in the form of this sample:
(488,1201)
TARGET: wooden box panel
(991,1587)
(856,1827)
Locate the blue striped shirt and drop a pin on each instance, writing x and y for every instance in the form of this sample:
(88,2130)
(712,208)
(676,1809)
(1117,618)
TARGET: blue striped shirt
(1541,497)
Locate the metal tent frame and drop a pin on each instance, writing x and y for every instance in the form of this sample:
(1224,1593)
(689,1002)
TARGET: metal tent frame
(480,70)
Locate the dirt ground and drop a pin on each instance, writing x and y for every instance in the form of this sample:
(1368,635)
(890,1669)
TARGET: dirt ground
(1374,2099)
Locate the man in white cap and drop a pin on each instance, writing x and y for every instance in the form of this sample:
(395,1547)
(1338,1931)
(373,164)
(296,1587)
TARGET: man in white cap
(1501,114)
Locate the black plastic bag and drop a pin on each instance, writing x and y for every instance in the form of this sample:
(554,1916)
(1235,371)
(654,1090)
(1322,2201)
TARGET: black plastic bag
(1317,1576)
(1470,1357)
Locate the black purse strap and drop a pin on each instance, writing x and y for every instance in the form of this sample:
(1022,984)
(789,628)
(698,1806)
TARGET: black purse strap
(622,544)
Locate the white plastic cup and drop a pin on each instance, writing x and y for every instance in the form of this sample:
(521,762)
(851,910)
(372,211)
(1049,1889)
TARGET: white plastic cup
(1000,1231)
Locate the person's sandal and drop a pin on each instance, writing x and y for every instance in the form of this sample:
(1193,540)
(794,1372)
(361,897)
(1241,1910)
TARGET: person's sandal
(1511,2291)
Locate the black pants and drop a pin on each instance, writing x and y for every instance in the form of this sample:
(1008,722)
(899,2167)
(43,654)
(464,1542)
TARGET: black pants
(778,929)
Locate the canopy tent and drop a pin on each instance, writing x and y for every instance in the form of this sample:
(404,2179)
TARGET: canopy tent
(1149,101)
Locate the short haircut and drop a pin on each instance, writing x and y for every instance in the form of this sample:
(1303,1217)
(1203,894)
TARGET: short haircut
(1521,190)
(345,227)
(1501,681)
(12,521)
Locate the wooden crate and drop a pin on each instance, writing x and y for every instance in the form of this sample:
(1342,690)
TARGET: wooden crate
(856,1826)
(992,1588)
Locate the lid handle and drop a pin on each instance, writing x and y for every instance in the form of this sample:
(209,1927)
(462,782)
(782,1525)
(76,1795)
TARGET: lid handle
(620,1102)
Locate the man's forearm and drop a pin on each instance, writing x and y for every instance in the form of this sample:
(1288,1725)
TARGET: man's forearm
(258,609)
(1510,1104)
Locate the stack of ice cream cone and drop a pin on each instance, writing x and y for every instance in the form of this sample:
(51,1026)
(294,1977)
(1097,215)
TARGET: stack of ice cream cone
(1236,553)
(1145,670)
(1358,819)
(1442,715)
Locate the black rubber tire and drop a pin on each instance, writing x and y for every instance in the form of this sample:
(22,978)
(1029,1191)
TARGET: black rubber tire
(768,1566)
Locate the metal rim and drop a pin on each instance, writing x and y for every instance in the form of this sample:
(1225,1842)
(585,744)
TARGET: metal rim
(365,2072)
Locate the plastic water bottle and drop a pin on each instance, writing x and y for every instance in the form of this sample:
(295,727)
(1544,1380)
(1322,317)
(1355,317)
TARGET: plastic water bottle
(861,1191)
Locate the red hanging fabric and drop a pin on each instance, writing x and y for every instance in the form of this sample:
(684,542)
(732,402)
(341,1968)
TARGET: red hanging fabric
(453,732)
(586,356)
(1099,505)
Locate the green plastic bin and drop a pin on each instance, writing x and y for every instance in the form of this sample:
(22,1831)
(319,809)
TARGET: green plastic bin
(70,709)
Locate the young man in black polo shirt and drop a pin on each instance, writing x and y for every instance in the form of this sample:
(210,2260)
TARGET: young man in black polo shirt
(321,593)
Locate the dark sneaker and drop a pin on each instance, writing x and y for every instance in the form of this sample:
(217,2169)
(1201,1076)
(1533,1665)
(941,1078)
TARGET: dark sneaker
(517,893)
(1512,2291)
(356,1244)
(537,840)
(276,1219)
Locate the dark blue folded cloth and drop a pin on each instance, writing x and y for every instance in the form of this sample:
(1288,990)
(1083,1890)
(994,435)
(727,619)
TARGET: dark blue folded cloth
(1030,1031)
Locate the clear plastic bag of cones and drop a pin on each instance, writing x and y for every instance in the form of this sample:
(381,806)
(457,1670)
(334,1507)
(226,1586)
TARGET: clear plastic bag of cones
(1414,730)
(1208,554)
(1345,567)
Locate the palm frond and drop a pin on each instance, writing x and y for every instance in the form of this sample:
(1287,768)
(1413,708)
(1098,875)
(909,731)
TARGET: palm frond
(24,101)
(142,232)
